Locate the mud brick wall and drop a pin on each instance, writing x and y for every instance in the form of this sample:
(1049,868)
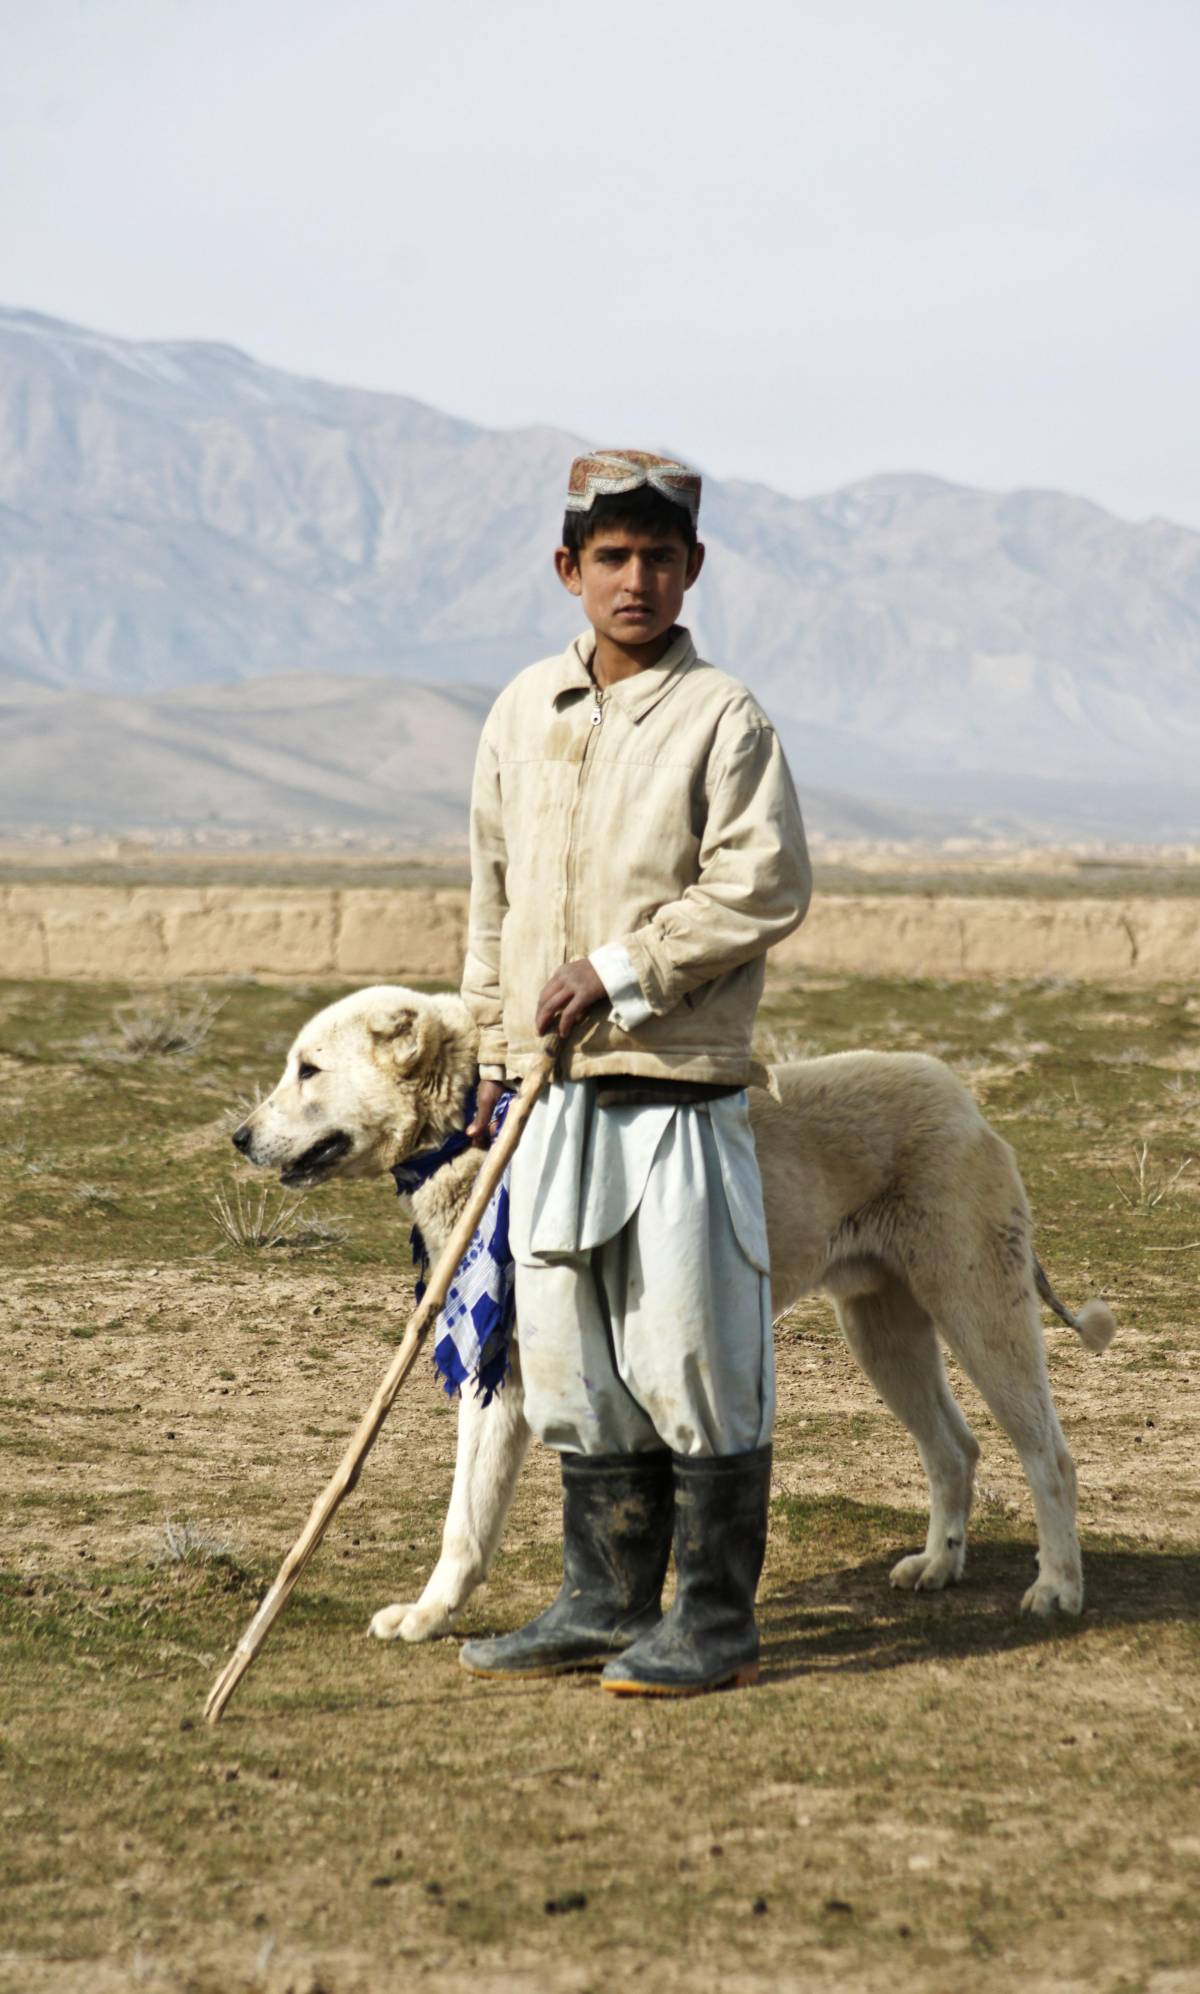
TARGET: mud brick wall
(162,933)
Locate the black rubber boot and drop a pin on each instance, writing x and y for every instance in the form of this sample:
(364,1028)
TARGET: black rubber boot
(616,1543)
(708,1638)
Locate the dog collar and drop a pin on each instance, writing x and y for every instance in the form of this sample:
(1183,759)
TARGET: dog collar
(417,1170)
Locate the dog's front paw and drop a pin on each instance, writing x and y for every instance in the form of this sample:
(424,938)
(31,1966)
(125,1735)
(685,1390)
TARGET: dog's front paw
(386,1624)
(1050,1595)
(929,1571)
(410,1621)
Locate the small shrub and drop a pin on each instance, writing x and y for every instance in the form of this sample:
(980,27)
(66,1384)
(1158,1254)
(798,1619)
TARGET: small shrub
(24,1160)
(189,1544)
(1020,1050)
(173,1024)
(1146,1190)
(1078,1111)
(315,1232)
(200,1562)
(87,1195)
(249,1222)
(233,1117)
(1182,1094)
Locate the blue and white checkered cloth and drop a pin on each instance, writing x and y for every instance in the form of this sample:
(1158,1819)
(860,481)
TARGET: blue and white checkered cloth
(475,1327)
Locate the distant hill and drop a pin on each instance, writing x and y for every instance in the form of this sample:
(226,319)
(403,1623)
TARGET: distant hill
(291,753)
(298,753)
(176,516)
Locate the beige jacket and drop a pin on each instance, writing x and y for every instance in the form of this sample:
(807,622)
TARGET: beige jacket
(658,814)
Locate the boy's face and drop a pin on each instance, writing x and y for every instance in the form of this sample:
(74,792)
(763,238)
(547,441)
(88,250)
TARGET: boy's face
(631,583)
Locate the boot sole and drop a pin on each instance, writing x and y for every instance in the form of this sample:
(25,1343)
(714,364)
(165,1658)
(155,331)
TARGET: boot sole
(534,1674)
(743,1678)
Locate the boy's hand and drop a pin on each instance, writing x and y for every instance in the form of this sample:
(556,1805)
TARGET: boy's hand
(486,1097)
(569,995)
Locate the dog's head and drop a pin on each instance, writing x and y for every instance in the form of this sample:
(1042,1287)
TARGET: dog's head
(368,1081)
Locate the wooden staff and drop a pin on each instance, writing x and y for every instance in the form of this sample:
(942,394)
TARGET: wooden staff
(350,1466)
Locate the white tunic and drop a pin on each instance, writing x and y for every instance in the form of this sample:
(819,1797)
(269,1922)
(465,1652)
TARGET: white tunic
(642,1273)
(580,1172)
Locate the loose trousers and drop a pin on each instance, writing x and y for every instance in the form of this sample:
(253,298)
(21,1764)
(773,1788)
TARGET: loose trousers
(659,1333)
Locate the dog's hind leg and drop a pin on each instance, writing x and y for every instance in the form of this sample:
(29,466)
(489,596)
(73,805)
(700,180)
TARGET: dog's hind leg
(492,1444)
(999,1344)
(895,1342)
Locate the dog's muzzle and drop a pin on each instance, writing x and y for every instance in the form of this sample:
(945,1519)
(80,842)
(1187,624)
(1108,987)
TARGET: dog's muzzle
(317,1161)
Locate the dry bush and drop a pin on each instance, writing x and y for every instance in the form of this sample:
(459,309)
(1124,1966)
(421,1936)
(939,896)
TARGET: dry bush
(1183,1095)
(248,1220)
(310,1231)
(175,1023)
(1020,1049)
(189,1544)
(87,1195)
(1147,1187)
(1078,1112)
(25,1161)
(233,1117)
(200,1563)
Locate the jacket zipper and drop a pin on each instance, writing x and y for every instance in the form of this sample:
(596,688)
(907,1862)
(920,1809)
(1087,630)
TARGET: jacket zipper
(597,719)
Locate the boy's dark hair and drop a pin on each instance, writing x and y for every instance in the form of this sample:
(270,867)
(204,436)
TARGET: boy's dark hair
(645,509)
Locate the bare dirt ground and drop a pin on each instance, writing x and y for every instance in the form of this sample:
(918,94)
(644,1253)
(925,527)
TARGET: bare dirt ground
(924,1793)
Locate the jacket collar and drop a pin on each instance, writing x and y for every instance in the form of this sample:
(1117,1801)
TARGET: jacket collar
(635,696)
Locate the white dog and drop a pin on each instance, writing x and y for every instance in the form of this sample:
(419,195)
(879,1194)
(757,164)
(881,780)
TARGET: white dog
(883,1185)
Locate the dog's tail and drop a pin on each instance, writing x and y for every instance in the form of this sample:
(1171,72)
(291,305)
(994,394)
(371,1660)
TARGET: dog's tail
(1095,1325)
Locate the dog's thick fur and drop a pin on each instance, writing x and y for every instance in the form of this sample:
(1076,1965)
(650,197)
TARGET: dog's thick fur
(884,1186)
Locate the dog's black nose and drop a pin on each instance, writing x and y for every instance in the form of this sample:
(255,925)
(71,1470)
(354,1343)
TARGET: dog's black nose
(241,1138)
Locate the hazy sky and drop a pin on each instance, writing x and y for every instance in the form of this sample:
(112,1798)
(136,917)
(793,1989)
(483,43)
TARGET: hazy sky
(797,242)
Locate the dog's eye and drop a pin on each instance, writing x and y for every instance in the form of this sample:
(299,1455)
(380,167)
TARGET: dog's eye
(306,1071)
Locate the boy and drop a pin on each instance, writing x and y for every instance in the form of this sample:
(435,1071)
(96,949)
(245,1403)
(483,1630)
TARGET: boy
(636,847)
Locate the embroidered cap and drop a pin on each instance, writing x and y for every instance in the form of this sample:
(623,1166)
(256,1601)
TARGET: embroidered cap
(602,473)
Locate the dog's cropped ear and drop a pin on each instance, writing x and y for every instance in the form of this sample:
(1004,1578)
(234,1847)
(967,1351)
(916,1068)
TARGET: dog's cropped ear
(408,1037)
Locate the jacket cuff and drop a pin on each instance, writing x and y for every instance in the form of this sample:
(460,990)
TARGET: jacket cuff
(613,965)
(491,1052)
(493,1072)
(651,974)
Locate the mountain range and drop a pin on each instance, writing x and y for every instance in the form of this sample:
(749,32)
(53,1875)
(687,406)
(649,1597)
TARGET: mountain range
(208,566)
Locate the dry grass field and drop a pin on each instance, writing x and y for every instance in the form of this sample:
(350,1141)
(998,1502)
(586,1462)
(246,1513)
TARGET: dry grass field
(923,1793)
(1026,872)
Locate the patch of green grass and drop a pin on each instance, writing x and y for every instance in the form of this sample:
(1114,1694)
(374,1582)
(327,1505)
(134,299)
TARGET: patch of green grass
(150,1138)
(115,1613)
(844,1528)
(1093,879)
(1097,878)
